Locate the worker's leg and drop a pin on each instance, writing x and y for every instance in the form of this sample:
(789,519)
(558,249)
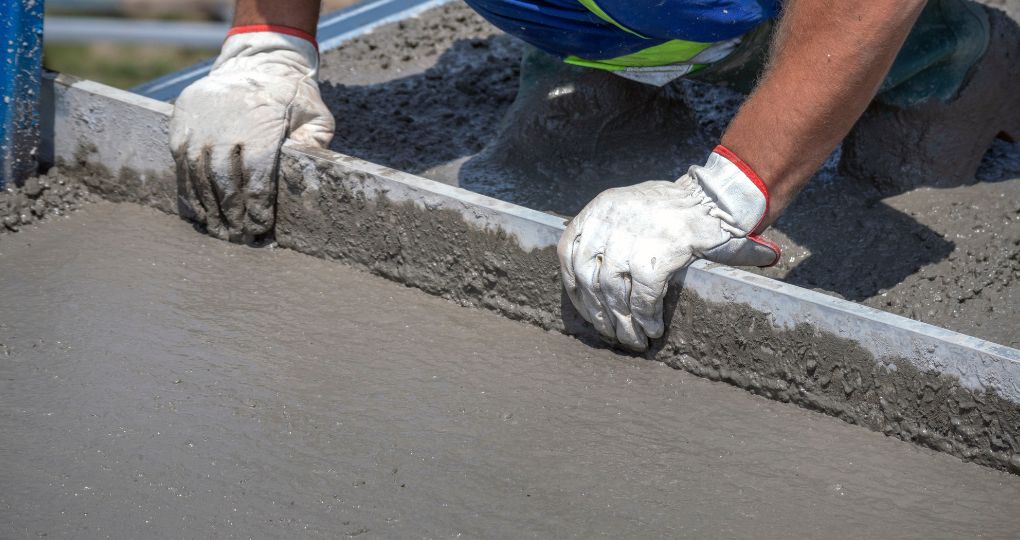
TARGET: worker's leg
(577,127)
(652,42)
(951,91)
(574,132)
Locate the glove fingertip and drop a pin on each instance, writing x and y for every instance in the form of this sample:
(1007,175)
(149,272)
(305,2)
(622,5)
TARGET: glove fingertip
(629,333)
(653,329)
(638,342)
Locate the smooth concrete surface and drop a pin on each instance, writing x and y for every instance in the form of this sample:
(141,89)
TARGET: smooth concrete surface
(157,383)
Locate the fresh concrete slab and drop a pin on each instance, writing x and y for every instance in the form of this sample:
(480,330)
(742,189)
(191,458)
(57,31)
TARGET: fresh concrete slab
(158,383)
(922,383)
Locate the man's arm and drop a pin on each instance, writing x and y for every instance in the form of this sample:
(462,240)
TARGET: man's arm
(827,62)
(618,255)
(300,14)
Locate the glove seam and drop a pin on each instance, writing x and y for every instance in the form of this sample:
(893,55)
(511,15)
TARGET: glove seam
(279,29)
(751,175)
(758,239)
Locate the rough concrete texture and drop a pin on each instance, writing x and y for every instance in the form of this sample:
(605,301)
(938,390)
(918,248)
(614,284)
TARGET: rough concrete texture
(1011,7)
(140,397)
(834,375)
(437,106)
(423,92)
(950,257)
(433,250)
(331,214)
(449,79)
(52,194)
(156,188)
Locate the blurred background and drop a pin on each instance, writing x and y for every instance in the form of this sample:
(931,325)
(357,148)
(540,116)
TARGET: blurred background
(124,43)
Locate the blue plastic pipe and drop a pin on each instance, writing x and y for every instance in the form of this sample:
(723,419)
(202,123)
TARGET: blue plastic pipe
(21,28)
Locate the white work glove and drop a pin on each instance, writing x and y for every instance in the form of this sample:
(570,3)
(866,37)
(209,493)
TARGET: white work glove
(227,129)
(618,254)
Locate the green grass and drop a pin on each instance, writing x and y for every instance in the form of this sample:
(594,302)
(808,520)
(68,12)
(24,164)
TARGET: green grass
(120,65)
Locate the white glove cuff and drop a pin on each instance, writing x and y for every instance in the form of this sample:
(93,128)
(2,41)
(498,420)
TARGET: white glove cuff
(250,47)
(735,188)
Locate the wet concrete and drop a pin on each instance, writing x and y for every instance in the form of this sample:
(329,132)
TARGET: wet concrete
(156,382)
(41,197)
(434,90)
(950,257)
(938,397)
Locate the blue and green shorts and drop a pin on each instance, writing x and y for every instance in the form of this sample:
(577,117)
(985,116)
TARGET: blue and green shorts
(653,41)
(657,41)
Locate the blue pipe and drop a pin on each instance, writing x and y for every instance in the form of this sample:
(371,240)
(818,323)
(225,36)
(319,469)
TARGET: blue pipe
(21,28)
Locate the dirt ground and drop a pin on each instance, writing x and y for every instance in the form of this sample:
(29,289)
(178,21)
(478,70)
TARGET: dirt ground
(157,383)
(429,94)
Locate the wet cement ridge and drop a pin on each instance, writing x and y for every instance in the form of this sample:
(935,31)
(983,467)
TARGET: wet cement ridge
(336,210)
(821,371)
(501,257)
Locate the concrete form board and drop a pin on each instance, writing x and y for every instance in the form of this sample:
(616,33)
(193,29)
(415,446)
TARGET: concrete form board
(977,363)
(126,135)
(122,134)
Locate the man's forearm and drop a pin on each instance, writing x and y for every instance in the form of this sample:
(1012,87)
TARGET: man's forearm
(300,14)
(827,62)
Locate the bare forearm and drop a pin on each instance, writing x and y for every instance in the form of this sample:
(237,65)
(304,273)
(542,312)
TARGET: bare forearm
(300,14)
(827,62)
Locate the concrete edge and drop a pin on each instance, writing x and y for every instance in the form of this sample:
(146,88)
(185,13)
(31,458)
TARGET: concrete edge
(480,251)
(530,228)
(115,134)
(978,364)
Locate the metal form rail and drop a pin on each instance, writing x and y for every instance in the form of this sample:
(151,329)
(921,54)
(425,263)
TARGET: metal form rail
(178,33)
(334,29)
(922,383)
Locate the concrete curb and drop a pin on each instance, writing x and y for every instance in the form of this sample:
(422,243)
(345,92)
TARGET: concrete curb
(924,384)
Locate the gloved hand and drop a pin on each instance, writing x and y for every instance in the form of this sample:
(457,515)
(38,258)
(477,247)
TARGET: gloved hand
(618,254)
(227,129)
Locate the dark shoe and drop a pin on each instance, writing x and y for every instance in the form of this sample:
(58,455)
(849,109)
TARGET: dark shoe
(940,143)
(574,132)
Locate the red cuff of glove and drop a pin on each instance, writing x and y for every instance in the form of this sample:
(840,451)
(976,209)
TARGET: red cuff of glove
(279,29)
(751,175)
(760,184)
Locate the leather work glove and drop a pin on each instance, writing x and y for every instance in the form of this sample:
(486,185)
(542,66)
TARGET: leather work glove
(618,254)
(227,129)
